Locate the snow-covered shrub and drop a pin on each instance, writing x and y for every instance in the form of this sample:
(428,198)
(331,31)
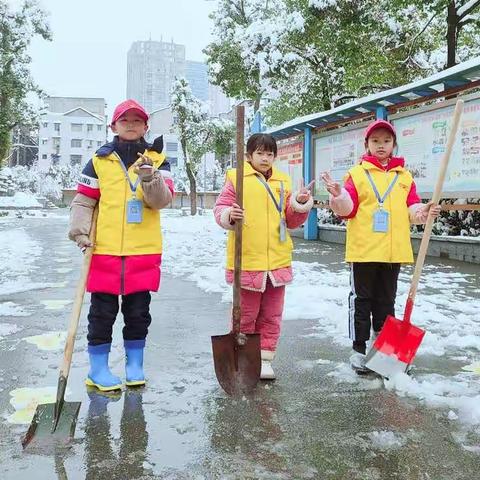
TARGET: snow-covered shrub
(47,184)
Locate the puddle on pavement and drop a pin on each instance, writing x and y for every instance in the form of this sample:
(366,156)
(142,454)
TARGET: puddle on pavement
(48,341)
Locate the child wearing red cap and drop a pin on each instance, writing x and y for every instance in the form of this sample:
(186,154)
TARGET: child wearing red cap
(130,181)
(380,201)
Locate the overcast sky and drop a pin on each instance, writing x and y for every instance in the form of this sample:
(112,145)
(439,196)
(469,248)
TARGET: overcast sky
(88,54)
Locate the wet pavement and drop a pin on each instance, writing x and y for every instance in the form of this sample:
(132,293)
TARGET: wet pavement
(305,425)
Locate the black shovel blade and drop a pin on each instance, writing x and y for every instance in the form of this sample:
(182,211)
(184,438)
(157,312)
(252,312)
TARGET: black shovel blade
(44,435)
(237,366)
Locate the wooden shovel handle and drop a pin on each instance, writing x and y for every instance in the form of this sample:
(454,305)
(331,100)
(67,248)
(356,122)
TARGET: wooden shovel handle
(236,313)
(422,252)
(77,304)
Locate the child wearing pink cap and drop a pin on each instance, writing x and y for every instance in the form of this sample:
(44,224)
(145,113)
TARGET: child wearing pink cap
(379,201)
(130,181)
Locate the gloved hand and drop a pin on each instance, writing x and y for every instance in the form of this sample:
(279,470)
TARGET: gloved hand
(144,168)
(83,242)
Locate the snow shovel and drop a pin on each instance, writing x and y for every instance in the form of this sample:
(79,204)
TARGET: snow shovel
(397,344)
(236,355)
(53,424)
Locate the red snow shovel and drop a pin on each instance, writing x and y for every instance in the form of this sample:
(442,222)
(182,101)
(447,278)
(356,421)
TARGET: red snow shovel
(53,424)
(236,355)
(398,342)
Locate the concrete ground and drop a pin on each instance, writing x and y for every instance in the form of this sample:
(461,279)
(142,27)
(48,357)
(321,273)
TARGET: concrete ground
(181,425)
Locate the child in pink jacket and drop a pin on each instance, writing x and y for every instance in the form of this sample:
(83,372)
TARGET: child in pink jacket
(269,208)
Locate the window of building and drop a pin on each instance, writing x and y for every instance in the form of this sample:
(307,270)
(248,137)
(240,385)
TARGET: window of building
(172,146)
(44,141)
(173,161)
(56,141)
(45,124)
(76,143)
(89,127)
(99,128)
(44,156)
(89,143)
(75,159)
(77,127)
(56,127)
(99,144)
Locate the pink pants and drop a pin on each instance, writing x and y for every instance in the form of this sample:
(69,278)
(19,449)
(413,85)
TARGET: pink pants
(262,313)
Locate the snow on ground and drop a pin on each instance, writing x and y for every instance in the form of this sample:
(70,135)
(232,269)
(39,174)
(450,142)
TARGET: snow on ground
(7,329)
(20,200)
(447,306)
(18,255)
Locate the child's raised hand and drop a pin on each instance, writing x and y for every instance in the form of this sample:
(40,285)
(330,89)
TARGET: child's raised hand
(304,193)
(144,168)
(332,187)
(236,213)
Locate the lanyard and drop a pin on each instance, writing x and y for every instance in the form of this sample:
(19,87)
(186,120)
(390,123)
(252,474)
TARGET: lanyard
(389,189)
(133,186)
(278,206)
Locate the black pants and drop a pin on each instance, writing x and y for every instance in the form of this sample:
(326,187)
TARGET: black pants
(372,298)
(104,310)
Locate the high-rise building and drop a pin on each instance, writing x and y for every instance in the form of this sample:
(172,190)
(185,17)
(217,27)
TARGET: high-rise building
(196,74)
(152,67)
(219,102)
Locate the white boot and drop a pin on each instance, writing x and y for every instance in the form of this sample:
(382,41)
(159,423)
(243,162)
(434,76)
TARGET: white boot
(267,372)
(357,361)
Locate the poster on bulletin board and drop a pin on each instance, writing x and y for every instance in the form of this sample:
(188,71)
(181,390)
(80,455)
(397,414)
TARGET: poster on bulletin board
(336,153)
(290,159)
(422,140)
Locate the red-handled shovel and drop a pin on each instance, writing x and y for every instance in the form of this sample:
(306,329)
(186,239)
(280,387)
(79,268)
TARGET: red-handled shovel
(398,342)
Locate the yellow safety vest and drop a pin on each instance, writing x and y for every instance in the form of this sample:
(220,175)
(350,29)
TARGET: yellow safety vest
(262,249)
(365,245)
(114,235)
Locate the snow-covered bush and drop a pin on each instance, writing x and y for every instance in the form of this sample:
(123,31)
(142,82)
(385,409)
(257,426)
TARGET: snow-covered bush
(48,184)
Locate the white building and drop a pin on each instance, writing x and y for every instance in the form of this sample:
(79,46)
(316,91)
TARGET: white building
(69,132)
(161,123)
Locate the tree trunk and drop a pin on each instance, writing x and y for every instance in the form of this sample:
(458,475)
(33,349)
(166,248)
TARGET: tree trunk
(452,27)
(4,146)
(193,190)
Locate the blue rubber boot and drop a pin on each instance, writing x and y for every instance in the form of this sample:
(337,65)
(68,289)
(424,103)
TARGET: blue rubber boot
(134,362)
(100,375)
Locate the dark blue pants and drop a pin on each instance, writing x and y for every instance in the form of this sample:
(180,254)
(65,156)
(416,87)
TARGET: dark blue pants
(103,312)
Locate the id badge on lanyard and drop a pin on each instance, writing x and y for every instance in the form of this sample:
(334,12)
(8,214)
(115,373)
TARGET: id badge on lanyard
(381,216)
(278,206)
(134,206)
(134,211)
(380,220)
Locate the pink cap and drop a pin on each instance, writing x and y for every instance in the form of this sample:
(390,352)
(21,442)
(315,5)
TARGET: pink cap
(379,124)
(127,105)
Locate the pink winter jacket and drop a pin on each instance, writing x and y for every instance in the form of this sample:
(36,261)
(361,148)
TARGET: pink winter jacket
(296,213)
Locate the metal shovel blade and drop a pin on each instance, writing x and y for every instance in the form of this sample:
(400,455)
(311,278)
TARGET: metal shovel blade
(395,347)
(237,366)
(44,435)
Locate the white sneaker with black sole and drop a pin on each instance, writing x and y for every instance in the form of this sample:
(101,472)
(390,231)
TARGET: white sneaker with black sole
(357,362)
